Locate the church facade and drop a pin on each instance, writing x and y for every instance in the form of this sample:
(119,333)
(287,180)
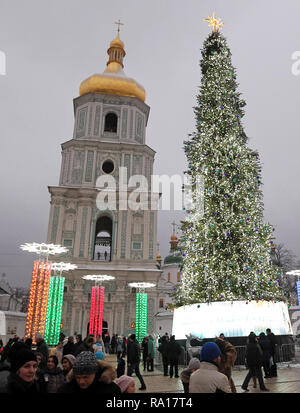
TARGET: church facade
(109,133)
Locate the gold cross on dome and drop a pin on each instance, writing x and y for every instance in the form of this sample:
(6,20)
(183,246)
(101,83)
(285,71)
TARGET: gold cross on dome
(216,23)
(119,24)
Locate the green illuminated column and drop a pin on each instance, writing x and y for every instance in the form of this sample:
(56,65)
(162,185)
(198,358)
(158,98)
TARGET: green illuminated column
(54,310)
(141,316)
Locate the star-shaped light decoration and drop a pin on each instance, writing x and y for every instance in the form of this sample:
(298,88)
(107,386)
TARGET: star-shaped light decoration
(216,23)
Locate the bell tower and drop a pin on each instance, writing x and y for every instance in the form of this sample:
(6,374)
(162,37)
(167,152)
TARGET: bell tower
(109,133)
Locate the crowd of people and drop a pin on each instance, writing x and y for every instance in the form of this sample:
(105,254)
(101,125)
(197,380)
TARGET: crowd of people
(79,366)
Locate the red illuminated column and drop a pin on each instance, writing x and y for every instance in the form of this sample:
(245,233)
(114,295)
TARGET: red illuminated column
(96,313)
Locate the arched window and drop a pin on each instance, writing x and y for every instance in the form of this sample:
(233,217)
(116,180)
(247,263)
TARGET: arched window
(111,123)
(103,239)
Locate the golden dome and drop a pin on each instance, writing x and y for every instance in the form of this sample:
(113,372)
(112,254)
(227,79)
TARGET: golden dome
(113,80)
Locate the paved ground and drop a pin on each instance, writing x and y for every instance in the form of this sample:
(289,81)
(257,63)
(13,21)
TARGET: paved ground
(288,380)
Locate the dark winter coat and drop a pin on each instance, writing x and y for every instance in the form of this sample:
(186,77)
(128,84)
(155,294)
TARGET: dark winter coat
(145,348)
(78,348)
(69,348)
(133,352)
(253,356)
(15,385)
(54,378)
(163,347)
(266,347)
(272,339)
(173,351)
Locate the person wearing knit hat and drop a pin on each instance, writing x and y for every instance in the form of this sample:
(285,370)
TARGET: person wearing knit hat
(23,369)
(86,377)
(126,384)
(208,379)
(185,375)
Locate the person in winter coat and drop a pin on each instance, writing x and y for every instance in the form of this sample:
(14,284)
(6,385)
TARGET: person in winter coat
(126,384)
(79,345)
(133,359)
(41,346)
(69,348)
(106,343)
(53,375)
(113,344)
(254,363)
(208,379)
(265,345)
(185,375)
(151,354)
(23,369)
(173,351)
(145,351)
(228,357)
(58,352)
(120,345)
(67,365)
(271,337)
(163,349)
(91,376)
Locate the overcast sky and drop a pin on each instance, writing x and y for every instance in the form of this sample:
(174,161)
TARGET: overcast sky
(52,46)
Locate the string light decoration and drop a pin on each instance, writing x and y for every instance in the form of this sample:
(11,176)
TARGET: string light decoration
(141,309)
(97,302)
(39,289)
(38,299)
(225,244)
(55,302)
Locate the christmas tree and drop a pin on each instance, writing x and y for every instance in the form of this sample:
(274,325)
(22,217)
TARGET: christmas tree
(226,245)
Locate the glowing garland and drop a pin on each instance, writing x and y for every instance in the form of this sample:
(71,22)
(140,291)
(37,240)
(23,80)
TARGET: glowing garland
(54,310)
(38,299)
(96,314)
(141,316)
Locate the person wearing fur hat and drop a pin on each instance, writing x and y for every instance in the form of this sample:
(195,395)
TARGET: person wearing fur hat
(208,379)
(185,375)
(126,384)
(23,366)
(90,376)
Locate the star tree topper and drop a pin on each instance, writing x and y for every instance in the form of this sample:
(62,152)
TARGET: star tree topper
(216,23)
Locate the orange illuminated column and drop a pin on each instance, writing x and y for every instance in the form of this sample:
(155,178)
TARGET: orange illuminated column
(38,299)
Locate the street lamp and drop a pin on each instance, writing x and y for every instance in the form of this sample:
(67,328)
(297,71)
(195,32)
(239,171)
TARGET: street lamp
(97,301)
(141,308)
(39,289)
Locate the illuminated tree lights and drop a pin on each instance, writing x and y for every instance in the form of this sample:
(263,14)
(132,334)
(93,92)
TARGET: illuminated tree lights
(226,246)
(54,310)
(96,314)
(141,316)
(38,299)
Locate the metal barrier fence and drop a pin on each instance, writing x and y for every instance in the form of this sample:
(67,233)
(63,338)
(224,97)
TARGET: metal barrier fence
(285,353)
